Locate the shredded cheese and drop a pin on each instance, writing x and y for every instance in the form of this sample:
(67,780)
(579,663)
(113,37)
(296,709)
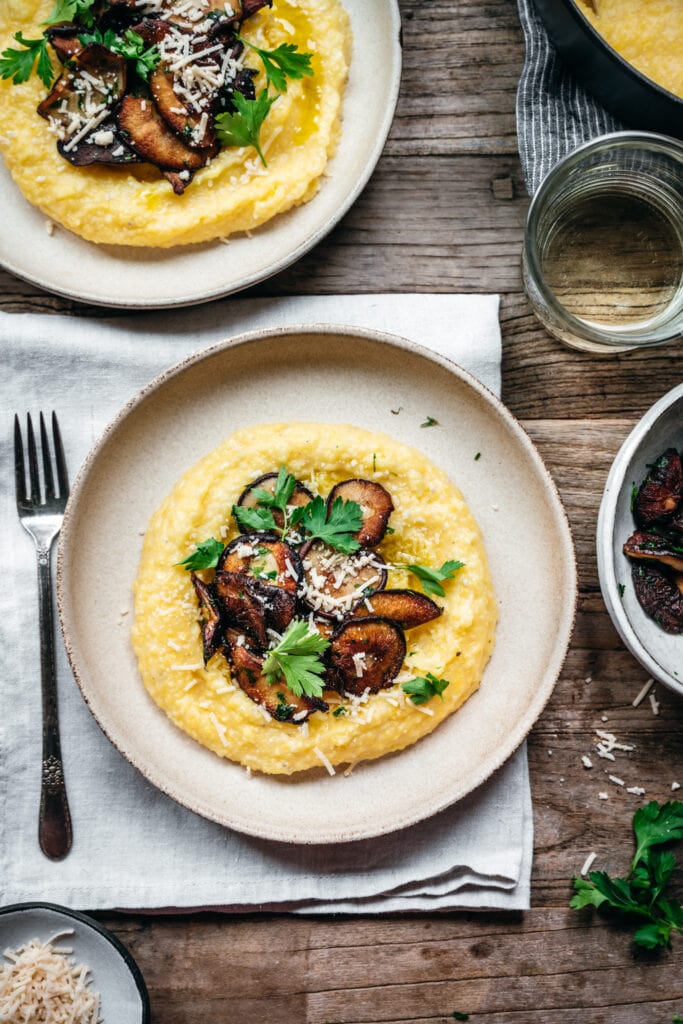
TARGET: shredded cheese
(41,984)
(587,864)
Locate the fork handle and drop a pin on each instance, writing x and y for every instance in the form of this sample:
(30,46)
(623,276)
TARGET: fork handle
(54,823)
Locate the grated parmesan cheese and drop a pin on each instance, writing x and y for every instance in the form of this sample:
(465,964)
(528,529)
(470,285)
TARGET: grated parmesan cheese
(642,694)
(324,760)
(588,864)
(41,984)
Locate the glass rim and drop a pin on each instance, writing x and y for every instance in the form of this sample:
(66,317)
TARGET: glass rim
(620,335)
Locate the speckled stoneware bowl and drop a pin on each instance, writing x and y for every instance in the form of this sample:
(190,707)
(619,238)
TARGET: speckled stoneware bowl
(114,973)
(138,278)
(660,653)
(328,374)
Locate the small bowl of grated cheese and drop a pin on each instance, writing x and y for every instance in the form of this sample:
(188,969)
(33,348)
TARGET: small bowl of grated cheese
(60,967)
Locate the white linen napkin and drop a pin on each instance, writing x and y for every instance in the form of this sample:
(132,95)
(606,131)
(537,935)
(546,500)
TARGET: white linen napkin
(133,846)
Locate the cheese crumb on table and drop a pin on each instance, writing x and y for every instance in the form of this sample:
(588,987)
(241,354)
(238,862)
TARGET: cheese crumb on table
(587,864)
(642,694)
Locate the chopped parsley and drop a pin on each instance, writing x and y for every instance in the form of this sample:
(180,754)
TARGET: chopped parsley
(621,588)
(430,422)
(422,689)
(205,555)
(282,63)
(642,896)
(338,712)
(132,47)
(19,64)
(477,457)
(296,659)
(457,1015)
(431,579)
(243,127)
(283,711)
(634,495)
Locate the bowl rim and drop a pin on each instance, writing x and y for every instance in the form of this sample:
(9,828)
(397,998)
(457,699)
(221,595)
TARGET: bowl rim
(93,925)
(615,57)
(604,540)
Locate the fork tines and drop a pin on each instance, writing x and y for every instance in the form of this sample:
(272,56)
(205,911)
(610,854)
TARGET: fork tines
(48,474)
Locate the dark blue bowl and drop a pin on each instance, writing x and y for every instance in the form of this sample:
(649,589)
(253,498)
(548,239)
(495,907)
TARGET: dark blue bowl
(636,100)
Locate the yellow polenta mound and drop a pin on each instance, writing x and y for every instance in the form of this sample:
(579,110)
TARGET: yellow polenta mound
(135,205)
(647,33)
(432,525)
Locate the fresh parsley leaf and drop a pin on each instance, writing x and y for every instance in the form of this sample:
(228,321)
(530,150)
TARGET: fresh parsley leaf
(72,10)
(108,38)
(621,588)
(655,824)
(423,688)
(282,63)
(431,579)
(586,895)
(18,64)
(338,712)
(254,519)
(296,659)
(336,529)
(243,128)
(430,422)
(283,709)
(677,1019)
(205,556)
(457,1015)
(634,495)
(132,47)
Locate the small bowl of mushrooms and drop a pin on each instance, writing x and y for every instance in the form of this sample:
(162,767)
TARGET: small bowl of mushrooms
(640,541)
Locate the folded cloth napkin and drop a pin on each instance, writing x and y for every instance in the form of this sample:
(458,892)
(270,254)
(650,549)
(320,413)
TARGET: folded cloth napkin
(555,114)
(133,846)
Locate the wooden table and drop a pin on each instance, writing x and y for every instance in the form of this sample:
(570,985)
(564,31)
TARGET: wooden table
(445,212)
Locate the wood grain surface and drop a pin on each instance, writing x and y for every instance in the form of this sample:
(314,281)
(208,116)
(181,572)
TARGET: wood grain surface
(445,212)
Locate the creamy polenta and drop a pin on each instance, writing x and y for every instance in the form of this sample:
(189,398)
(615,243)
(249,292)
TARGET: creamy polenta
(133,205)
(431,525)
(647,33)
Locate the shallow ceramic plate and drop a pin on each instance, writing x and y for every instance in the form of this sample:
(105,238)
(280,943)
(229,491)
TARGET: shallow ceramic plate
(658,652)
(154,278)
(114,973)
(327,374)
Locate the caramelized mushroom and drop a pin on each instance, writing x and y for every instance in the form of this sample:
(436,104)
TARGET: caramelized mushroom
(176,113)
(264,556)
(333,582)
(659,595)
(247,499)
(278,700)
(654,547)
(211,618)
(660,493)
(406,607)
(376,506)
(254,607)
(153,140)
(96,72)
(365,654)
(64,40)
(100,152)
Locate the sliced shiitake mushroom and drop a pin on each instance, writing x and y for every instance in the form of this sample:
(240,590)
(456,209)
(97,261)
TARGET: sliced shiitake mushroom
(248,499)
(64,39)
(86,153)
(177,183)
(102,67)
(656,548)
(659,595)
(254,607)
(365,654)
(661,491)
(211,618)
(278,700)
(150,137)
(376,506)
(176,112)
(264,556)
(333,582)
(406,607)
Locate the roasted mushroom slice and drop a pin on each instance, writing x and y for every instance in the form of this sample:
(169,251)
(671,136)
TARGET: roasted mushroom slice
(365,654)
(196,128)
(104,146)
(177,183)
(659,595)
(211,618)
(85,95)
(254,607)
(278,700)
(64,39)
(334,582)
(661,491)
(248,499)
(153,140)
(376,506)
(406,607)
(656,548)
(265,557)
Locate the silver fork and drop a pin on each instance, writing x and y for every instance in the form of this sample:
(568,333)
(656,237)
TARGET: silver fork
(41,517)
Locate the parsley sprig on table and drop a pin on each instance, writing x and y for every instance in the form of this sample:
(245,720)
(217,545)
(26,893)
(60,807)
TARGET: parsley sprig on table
(431,579)
(423,688)
(284,62)
(641,896)
(205,555)
(19,64)
(296,659)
